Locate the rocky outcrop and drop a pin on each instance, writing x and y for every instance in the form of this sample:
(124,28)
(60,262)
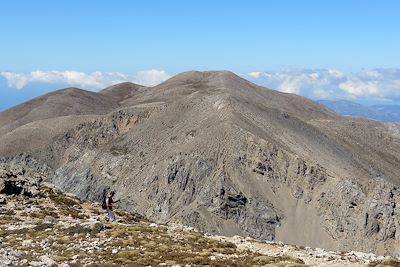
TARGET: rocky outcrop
(370,210)
(21,176)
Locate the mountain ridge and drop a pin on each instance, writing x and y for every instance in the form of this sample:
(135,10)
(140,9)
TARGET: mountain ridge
(226,156)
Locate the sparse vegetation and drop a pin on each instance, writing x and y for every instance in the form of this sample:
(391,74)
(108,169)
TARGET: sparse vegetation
(62,199)
(58,227)
(119,150)
(135,242)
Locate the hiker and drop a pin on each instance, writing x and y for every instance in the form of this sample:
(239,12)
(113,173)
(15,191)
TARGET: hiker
(108,202)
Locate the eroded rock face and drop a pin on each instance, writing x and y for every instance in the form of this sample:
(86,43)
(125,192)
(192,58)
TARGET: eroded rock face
(188,189)
(370,210)
(21,176)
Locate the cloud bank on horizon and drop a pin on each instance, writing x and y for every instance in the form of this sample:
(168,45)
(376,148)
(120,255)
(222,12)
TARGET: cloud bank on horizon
(91,81)
(378,85)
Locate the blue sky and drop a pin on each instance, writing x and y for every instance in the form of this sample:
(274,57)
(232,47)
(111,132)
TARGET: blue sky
(132,38)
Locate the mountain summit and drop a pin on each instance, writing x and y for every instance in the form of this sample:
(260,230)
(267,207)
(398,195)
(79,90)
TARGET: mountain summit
(217,152)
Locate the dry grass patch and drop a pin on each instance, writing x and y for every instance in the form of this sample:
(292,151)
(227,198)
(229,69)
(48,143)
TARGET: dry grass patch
(7,219)
(63,200)
(279,261)
(43,226)
(59,258)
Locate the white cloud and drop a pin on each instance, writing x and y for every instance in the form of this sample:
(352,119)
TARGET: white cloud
(95,80)
(292,86)
(382,83)
(331,83)
(322,94)
(361,88)
(295,81)
(16,80)
(151,77)
(335,73)
(255,74)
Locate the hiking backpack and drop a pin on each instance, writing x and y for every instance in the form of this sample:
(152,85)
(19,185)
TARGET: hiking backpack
(104,204)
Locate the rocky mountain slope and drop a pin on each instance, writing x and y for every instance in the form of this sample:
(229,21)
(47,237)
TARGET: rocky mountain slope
(41,226)
(65,102)
(216,152)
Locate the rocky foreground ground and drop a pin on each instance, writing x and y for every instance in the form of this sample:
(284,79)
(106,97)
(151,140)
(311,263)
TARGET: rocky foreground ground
(41,226)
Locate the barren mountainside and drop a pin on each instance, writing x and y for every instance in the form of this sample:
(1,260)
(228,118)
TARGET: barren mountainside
(214,151)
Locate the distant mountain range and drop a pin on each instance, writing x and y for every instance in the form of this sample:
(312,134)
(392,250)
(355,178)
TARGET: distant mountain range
(385,113)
